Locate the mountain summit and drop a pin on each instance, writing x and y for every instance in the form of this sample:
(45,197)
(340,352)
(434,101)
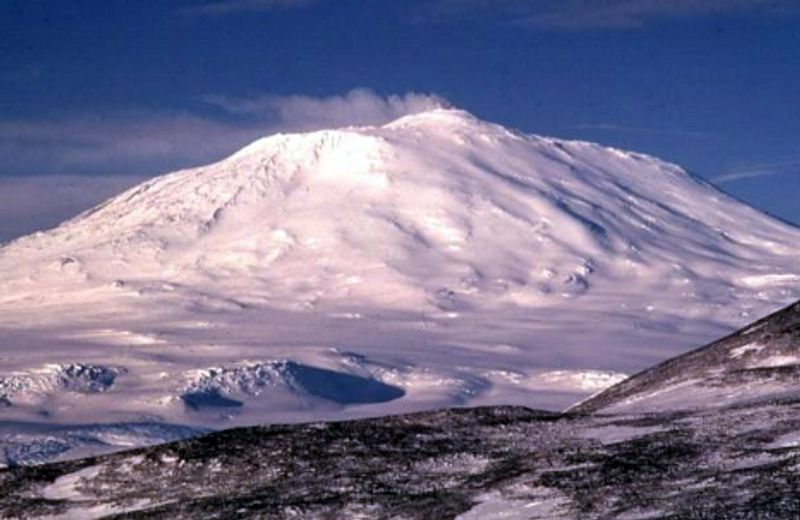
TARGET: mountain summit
(435,210)
(435,260)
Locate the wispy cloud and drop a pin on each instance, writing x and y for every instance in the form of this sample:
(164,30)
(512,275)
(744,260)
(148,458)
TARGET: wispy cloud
(224,7)
(357,107)
(644,130)
(758,170)
(738,176)
(141,141)
(611,14)
(29,204)
(116,142)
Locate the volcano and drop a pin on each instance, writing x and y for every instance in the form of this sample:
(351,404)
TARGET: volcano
(437,260)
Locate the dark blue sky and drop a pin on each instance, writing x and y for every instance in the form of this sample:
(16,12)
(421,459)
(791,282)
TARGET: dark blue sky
(113,87)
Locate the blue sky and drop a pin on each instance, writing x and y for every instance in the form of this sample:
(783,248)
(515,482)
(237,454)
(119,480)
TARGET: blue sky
(96,94)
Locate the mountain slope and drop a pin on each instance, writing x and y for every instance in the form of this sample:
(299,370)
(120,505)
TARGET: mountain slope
(437,210)
(758,363)
(437,260)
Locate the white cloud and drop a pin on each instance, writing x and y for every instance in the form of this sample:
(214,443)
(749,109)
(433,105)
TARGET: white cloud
(738,176)
(357,107)
(147,142)
(239,6)
(758,170)
(610,14)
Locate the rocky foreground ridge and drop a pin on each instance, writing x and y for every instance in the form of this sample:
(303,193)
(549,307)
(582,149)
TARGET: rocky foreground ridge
(711,434)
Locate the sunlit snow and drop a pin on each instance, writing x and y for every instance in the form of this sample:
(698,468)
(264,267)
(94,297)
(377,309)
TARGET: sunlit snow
(437,260)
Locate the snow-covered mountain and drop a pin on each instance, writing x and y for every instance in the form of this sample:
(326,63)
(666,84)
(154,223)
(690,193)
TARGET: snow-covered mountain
(436,260)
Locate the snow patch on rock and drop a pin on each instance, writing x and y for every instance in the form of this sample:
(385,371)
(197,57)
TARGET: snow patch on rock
(218,386)
(38,383)
(750,348)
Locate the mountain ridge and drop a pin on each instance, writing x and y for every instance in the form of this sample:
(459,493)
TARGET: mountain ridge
(743,358)
(598,219)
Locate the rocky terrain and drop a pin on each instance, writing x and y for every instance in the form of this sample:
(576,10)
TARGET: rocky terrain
(711,434)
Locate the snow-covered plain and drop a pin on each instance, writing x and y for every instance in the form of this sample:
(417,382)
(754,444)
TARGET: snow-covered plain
(437,260)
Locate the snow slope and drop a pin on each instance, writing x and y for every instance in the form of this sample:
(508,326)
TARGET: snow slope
(433,261)
(758,364)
